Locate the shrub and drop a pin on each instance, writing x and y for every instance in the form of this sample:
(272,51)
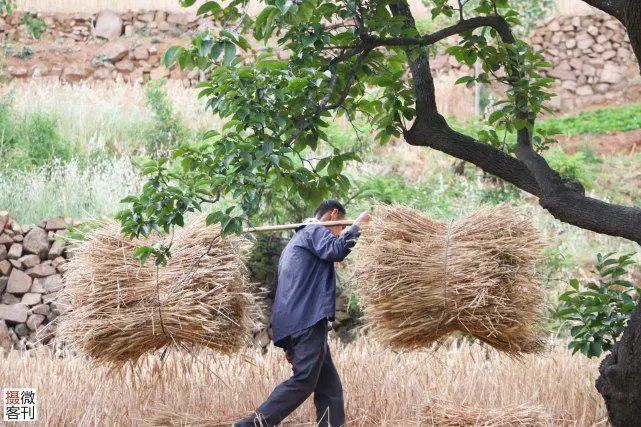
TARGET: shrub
(599,311)
(167,128)
(32,139)
(571,166)
(35,25)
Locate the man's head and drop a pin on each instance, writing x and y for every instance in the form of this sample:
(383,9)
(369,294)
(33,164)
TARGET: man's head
(331,210)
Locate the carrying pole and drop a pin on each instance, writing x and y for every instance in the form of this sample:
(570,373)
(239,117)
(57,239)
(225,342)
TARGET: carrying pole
(271,228)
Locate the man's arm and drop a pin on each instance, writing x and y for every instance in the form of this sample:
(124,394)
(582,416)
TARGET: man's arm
(328,247)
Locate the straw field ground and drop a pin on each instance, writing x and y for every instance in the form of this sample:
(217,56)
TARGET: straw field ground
(381,387)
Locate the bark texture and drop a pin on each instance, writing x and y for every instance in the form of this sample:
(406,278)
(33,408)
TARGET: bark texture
(620,376)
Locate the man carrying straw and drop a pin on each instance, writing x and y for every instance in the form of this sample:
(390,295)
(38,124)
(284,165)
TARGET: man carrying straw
(303,309)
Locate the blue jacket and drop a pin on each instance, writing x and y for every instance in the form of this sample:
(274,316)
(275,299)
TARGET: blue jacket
(306,291)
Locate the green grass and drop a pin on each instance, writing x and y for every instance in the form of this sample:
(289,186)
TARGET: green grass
(599,121)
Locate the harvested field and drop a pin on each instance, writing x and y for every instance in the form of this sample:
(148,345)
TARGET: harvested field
(381,387)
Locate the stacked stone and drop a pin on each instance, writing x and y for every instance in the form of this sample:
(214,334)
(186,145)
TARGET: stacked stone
(32,261)
(80,27)
(158,22)
(591,56)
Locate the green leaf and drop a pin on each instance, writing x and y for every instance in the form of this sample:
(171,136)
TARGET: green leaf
(209,7)
(171,55)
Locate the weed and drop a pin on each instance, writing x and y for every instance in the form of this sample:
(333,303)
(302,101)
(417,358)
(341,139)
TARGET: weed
(167,128)
(35,25)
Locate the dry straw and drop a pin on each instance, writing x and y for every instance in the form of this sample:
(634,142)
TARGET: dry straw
(450,414)
(121,310)
(420,280)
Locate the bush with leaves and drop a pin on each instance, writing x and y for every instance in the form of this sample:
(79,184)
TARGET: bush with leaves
(599,311)
(35,25)
(167,129)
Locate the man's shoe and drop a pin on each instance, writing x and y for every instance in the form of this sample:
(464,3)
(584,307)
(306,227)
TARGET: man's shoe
(251,421)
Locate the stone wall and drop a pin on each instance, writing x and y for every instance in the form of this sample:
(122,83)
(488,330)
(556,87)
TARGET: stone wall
(591,57)
(591,54)
(81,27)
(32,261)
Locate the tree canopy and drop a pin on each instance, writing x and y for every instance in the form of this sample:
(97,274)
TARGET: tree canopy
(349,59)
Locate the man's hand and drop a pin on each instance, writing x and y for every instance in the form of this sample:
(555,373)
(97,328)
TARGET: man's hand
(363,218)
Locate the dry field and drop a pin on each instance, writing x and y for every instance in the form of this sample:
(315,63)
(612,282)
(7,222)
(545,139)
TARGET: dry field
(381,387)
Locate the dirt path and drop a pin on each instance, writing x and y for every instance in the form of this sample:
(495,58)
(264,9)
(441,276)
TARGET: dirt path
(608,144)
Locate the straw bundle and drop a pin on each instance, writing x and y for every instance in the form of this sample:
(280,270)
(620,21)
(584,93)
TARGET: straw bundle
(121,310)
(420,280)
(449,414)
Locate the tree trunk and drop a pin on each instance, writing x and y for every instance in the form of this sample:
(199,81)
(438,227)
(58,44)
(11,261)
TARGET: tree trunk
(620,376)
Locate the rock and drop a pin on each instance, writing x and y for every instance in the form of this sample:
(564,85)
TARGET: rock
(43,309)
(554,26)
(608,54)
(37,242)
(38,286)
(178,18)
(75,73)
(15,251)
(129,30)
(9,299)
(34,321)
(141,53)
(57,223)
(18,71)
(16,264)
(602,87)
(569,85)
(611,74)
(145,17)
(21,330)
(108,25)
(585,90)
(59,307)
(39,70)
(14,313)
(102,74)
(589,70)
(52,283)
(29,261)
(56,250)
(161,16)
(125,65)
(3,252)
(592,30)
(58,261)
(49,298)
(576,63)
(5,267)
(585,42)
(3,283)
(115,52)
(5,338)
(570,43)
(31,299)
(5,239)
(42,270)
(19,282)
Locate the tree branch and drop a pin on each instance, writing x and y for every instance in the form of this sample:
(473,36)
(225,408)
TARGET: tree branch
(529,171)
(496,22)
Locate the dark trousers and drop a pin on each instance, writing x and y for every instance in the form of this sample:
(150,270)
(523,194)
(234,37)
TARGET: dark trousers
(313,372)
